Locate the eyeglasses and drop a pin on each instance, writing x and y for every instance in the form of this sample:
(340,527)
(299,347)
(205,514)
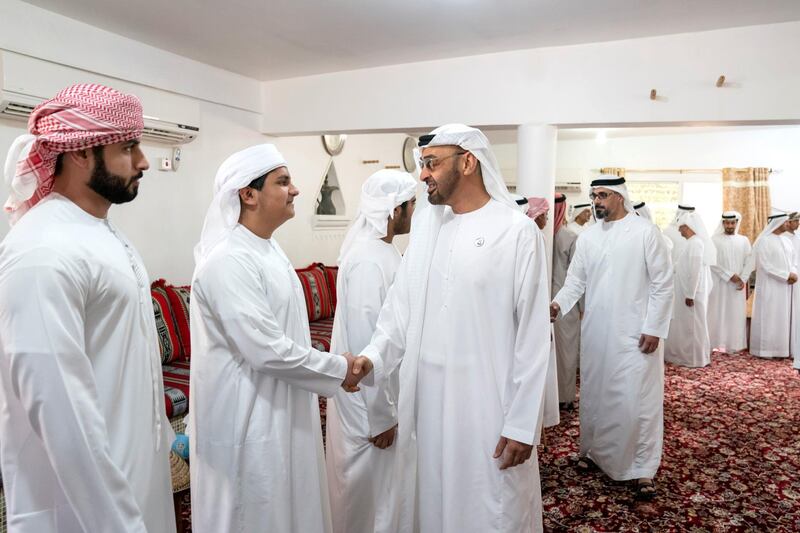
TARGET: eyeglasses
(602,195)
(432,162)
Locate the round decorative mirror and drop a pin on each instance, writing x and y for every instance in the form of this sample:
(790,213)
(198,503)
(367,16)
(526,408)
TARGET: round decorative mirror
(334,144)
(408,154)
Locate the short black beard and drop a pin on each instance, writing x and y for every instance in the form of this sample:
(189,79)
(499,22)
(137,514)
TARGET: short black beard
(600,213)
(438,198)
(731,232)
(112,187)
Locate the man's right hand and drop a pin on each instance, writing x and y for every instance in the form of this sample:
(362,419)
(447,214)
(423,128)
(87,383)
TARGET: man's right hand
(554,310)
(792,279)
(648,343)
(357,369)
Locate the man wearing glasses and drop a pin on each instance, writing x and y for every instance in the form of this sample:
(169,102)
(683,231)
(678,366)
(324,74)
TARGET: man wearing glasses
(467,315)
(623,267)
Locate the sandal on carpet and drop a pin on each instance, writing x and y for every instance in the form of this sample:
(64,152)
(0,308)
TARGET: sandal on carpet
(584,464)
(645,489)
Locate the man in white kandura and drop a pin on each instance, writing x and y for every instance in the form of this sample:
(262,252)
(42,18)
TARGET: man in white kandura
(256,444)
(688,343)
(794,236)
(568,328)
(537,209)
(672,233)
(362,425)
(85,437)
(581,218)
(622,266)
(467,316)
(727,305)
(776,276)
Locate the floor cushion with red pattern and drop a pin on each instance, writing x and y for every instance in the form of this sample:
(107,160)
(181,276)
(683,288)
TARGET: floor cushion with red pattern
(319,297)
(321,331)
(179,303)
(176,388)
(168,340)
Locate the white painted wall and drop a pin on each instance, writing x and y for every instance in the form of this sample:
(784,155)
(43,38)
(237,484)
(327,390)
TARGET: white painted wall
(165,220)
(308,162)
(35,32)
(42,52)
(600,83)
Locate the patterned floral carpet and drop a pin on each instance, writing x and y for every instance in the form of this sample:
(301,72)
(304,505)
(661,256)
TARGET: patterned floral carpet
(731,458)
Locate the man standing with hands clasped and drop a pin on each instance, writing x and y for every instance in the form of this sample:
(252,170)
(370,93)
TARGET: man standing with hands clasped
(362,426)
(727,304)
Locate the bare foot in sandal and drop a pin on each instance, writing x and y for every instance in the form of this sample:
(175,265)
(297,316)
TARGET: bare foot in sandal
(645,489)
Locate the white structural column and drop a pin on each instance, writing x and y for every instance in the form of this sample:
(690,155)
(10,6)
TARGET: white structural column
(536,169)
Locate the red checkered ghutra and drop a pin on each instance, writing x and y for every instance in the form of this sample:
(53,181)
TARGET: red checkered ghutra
(79,117)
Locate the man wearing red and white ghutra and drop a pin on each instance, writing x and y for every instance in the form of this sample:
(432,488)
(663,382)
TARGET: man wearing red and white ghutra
(85,439)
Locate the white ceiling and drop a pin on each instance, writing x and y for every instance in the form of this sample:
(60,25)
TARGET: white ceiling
(274,39)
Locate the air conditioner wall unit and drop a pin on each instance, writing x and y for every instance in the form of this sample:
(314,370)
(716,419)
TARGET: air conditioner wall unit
(18,106)
(168,132)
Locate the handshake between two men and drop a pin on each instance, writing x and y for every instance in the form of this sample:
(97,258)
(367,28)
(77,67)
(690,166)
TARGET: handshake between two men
(357,369)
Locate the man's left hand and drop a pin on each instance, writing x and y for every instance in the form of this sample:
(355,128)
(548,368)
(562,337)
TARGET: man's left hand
(385,439)
(648,343)
(514,453)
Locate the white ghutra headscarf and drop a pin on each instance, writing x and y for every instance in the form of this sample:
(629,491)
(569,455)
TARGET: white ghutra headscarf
(380,194)
(577,209)
(682,210)
(774,221)
(474,141)
(643,211)
(612,183)
(235,173)
(728,215)
(695,223)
